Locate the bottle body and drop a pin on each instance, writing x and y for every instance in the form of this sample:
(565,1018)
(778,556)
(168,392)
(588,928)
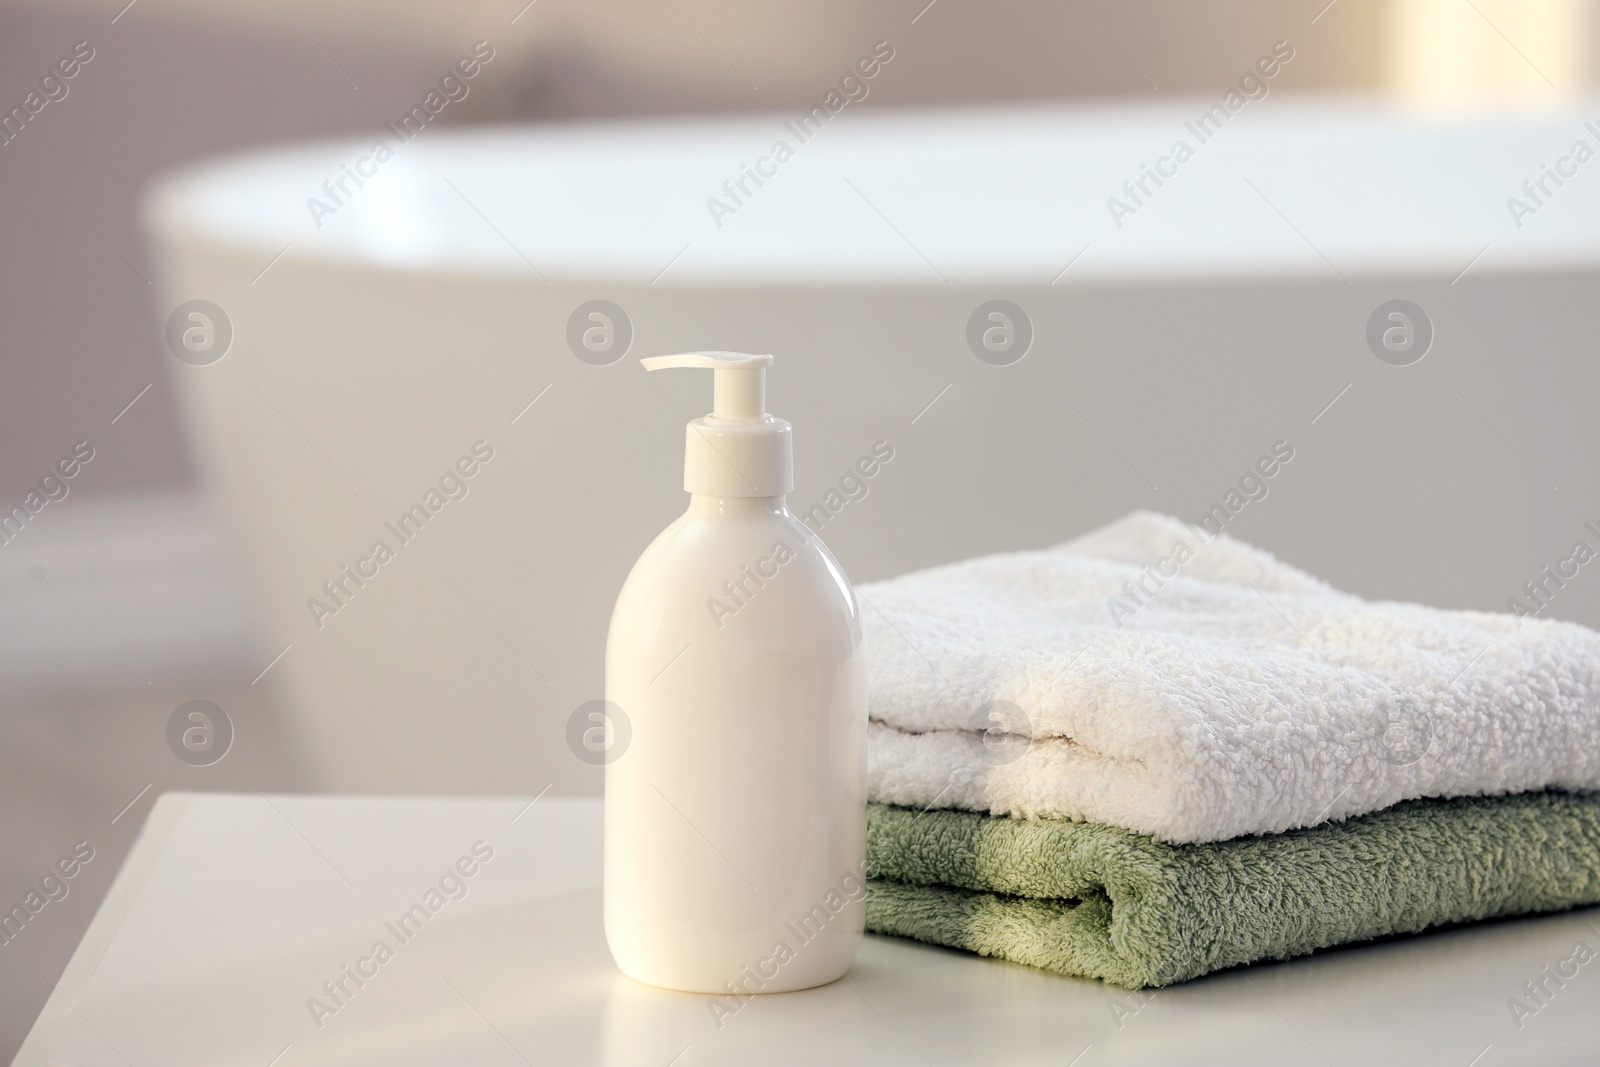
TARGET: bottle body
(735,819)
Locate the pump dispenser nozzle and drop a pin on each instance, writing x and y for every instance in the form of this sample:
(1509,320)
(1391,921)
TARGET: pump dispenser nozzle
(738,449)
(738,381)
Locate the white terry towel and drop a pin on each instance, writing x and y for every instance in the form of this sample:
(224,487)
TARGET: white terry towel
(1238,696)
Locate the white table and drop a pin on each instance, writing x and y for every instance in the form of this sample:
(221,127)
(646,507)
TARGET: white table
(232,910)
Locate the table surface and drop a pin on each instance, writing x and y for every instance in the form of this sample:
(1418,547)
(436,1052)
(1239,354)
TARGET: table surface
(233,910)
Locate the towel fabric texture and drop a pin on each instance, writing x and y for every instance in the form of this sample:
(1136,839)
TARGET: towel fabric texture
(1193,688)
(1098,901)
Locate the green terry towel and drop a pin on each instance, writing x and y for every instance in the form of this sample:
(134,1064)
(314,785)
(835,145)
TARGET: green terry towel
(1101,902)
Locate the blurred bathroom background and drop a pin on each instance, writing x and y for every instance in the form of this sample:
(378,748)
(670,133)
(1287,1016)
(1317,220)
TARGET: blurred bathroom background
(132,598)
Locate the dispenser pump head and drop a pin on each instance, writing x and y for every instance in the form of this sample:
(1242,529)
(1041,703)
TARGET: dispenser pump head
(738,380)
(738,450)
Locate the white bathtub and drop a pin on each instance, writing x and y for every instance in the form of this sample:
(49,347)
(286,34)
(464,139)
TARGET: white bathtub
(1226,313)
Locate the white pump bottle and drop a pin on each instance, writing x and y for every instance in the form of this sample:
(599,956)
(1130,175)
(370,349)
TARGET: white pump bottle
(735,819)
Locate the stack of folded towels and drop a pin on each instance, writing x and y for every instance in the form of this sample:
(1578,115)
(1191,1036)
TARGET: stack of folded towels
(1150,753)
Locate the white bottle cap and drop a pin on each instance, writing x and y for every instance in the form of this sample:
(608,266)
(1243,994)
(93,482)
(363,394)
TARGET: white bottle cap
(738,449)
